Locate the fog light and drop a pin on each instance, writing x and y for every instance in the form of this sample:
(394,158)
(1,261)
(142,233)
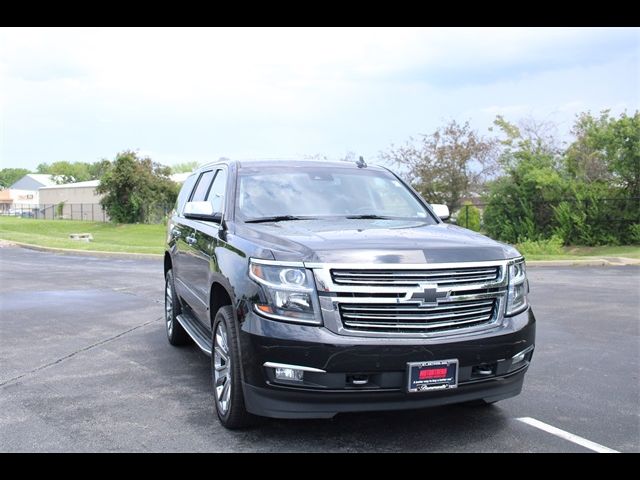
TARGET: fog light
(520,357)
(289,374)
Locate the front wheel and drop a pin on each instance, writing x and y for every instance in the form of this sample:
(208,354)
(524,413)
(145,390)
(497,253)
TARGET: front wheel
(225,367)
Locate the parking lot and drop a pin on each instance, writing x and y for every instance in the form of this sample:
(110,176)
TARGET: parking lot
(85,366)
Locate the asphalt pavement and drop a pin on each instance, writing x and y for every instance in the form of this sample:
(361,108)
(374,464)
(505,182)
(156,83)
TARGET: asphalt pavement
(85,366)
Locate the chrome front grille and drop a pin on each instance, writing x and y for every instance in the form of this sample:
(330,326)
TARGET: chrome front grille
(412,317)
(411,300)
(444,276)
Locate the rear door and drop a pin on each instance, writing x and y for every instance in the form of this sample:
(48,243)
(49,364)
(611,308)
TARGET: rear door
(178,231)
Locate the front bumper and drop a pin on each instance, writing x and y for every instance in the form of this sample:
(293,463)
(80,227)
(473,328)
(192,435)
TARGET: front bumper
(382,361)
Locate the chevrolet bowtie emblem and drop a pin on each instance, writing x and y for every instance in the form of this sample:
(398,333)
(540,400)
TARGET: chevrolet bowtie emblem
(429,295)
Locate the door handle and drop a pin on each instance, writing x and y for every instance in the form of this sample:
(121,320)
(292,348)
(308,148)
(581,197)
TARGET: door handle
(190,240)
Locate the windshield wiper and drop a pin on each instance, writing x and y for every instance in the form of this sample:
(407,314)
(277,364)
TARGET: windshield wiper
(371,216)
(277,218)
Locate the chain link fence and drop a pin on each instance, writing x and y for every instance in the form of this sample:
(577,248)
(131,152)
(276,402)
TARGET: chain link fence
(619,211)
(91,212)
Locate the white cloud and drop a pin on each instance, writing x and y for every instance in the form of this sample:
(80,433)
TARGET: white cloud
(86,93)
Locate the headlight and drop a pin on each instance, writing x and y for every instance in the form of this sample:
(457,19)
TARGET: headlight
(518,288)
(289,292)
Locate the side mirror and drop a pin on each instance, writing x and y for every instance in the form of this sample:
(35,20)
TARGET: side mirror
(201,211)
(440,210)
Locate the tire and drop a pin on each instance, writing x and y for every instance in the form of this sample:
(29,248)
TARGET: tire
(175,333)
(225,372)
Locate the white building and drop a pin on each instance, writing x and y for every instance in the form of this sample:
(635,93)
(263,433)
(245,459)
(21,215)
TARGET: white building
(79,192)
(26,190)
(75,201)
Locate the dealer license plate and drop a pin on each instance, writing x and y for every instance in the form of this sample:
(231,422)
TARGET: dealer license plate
(434,375)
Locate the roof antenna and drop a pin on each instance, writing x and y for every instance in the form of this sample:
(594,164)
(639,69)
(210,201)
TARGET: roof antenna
(361,163)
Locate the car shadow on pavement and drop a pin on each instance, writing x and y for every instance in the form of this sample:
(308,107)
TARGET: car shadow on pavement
(432,429)
(455,427)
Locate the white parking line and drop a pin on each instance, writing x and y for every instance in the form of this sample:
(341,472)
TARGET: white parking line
(596,447)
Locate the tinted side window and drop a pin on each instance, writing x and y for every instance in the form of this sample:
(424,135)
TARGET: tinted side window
(185,191)
(216,194)
(200,193)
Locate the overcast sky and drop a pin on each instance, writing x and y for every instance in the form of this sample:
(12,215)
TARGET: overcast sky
(198,94)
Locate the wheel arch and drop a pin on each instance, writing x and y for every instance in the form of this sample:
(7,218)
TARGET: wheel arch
(168,263)
(219,297)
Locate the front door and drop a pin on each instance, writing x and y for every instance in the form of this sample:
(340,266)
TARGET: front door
(188,251)
(202,243)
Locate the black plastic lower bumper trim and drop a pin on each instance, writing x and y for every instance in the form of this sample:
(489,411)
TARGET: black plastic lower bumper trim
(277,403)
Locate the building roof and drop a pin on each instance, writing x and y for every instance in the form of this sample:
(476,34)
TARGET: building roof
(33,181)
(87,184)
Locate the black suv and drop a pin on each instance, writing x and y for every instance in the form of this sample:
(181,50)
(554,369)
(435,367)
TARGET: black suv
(327,287)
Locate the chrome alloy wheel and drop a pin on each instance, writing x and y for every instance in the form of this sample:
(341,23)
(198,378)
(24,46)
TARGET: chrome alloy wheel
(168,307)
(222,369)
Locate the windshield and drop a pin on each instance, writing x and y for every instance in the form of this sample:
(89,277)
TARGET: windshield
(322,192)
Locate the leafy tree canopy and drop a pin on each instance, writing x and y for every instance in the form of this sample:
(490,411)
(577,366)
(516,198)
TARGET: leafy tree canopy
(132,186)
(9,176)
(71,172)
(607,149)
(448,164)
(585,194)
(66,172)
(184,167)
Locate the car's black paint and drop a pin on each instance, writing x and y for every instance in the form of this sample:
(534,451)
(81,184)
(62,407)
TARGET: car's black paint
(208,257)
(387,241)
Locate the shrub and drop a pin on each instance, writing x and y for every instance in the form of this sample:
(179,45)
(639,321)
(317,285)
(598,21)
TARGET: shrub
(469,217)
(588,194)
(634,233)
(595,216)
(550,246)
(60,209)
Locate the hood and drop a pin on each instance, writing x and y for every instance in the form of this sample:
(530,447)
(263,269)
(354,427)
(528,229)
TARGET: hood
(373,241)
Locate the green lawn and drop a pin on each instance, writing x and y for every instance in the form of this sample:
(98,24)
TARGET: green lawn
(107,237)
(573,253)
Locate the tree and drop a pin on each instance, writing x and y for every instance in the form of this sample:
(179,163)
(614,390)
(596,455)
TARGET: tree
(603,164)
(528,137)
(66,172)
(607,149)
(520,203)
(586,194)
(99,168)
(9,176)
(447,165)
(134,186)
(185,167)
